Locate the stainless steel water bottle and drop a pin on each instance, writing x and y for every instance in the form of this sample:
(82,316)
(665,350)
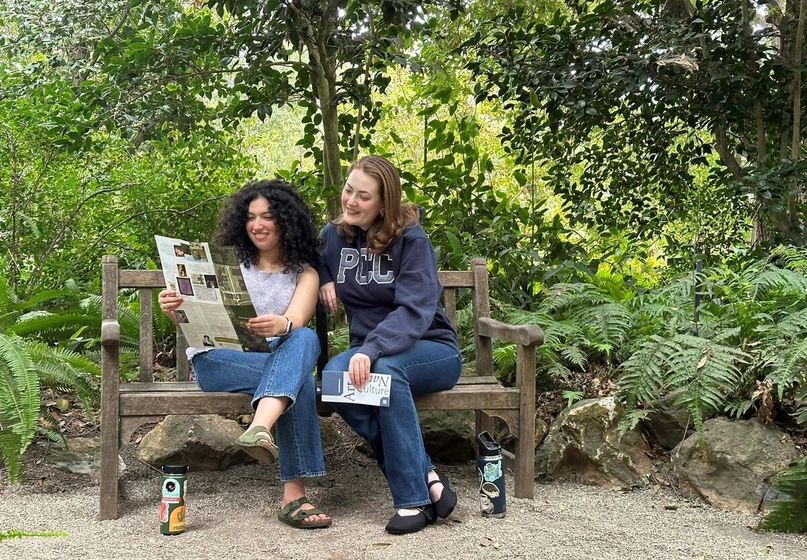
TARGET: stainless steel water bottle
(172,502)
(490,466)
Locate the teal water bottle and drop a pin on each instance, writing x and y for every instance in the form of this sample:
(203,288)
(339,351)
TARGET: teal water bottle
(490,467)
(172,502)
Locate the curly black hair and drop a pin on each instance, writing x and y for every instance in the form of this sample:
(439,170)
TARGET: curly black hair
(299,241)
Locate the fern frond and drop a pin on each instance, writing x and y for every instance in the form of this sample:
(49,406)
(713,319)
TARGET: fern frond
(607,325)
(702,372)
(573,355)
(630,420)
(56,326)
(642,378)
(504,357)
(561,332)
(51,434)
(772,279)
(19,403)
(564,296)
(788,514)
(792,257)
(556,370)
(737,408)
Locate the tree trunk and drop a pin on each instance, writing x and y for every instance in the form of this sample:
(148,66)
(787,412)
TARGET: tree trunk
(325,89)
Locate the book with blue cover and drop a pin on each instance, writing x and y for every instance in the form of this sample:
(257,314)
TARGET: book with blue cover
(336,387)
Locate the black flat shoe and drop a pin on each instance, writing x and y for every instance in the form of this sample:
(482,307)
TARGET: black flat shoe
(448,498)
(403,524)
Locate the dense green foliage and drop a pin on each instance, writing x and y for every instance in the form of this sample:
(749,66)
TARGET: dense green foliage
(671,120)
(738,350)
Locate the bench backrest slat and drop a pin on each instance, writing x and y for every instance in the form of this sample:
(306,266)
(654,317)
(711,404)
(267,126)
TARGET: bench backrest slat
(454,283)
(146,336)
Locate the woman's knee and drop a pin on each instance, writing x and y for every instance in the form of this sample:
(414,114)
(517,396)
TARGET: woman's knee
(304,334)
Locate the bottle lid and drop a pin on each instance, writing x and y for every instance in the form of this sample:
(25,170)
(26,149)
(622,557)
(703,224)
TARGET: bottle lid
(488,447)
(175,465)
(175,469)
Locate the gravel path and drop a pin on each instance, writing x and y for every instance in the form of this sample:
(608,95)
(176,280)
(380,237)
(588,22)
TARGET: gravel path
(225,521)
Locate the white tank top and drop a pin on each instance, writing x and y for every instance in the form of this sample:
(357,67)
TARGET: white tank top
(270,292)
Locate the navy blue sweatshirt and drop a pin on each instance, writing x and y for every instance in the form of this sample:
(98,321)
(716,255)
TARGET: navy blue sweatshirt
(392,299)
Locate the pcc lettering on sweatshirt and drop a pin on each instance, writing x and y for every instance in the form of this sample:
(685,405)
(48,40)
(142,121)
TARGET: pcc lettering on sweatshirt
(368,267)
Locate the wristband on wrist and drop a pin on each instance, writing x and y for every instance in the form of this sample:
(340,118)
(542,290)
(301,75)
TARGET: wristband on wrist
(289,326)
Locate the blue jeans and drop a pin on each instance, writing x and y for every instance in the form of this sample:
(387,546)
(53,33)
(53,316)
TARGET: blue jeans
(394,433)
(285,371)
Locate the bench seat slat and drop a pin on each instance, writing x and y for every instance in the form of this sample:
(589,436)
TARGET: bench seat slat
(190,386)
(146,399)
(153,403)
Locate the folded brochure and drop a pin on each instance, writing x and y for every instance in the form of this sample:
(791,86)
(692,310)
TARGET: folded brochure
(336,387)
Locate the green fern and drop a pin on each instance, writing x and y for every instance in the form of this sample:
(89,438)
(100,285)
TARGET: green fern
(702,372)
(789,514)
(38,348)
(579,324)
(791,257)
(19,402)
(643,374)
(698,371)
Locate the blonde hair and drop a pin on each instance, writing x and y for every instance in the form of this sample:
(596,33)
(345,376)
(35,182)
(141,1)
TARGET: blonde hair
(396,216)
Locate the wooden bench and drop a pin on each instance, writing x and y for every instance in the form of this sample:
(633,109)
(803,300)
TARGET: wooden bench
(126,406)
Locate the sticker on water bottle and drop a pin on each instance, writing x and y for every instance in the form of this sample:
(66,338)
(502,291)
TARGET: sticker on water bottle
(485,505)
(171,491)
(492,471)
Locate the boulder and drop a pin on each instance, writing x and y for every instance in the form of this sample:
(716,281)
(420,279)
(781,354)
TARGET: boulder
(668,424)
(207,441)
(448,435)
(583,445)
(79,455)
(737,463)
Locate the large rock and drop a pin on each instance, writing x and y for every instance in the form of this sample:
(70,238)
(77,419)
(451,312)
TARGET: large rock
(448,435)
(79,455)
(583,445)
(207,441)
(735,468)
(668,424)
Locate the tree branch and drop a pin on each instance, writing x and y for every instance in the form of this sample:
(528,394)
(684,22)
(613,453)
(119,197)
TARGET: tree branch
(728,159)
(187,211)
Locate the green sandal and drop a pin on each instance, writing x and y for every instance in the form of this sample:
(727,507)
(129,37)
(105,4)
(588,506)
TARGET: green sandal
(296,520)
(258,442)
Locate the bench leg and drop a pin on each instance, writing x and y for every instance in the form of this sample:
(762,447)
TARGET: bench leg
(525,448)
(108,495)
(484,423)
(110,433)
(525,462)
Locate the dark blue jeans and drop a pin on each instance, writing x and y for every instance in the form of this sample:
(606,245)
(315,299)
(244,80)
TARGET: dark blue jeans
(285,371)
(394,432)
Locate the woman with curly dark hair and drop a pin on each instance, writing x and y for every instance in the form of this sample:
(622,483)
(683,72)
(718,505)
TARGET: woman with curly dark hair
(277,245)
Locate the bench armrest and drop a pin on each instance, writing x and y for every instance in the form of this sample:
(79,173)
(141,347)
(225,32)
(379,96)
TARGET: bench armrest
(525,335)
(110,332)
